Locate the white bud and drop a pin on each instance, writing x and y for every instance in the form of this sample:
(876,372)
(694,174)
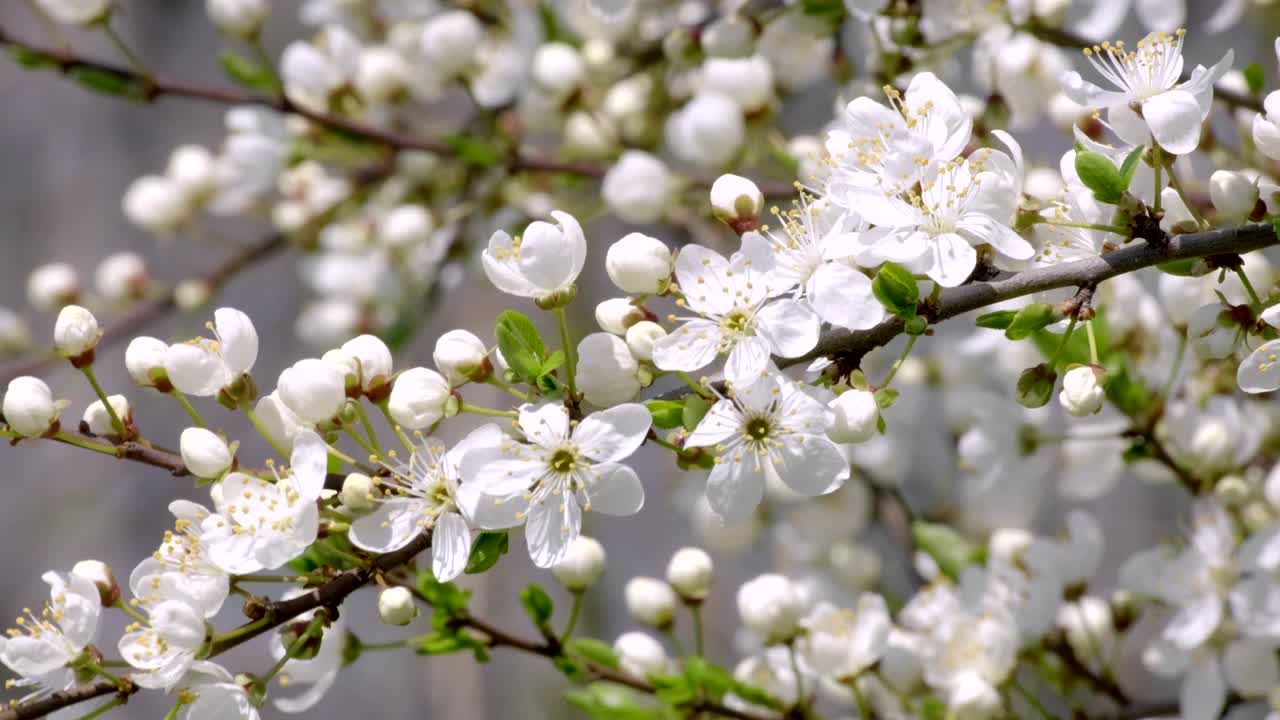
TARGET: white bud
(856,416)
(51,286)
(406,226)
(450,41)
(121,276)
(396,606)
(1181,297)
(28,407)
(461,356)
(628,98)
(606,370)
(156,204)
(641,338)
(313,389)
(238,18)
(192,294)
(357,493)
(748,81)
(350,368)
(973,698)
(1212,331)
(76,332)
(195,172)
(373,359)
(770,606)
(582,564)
(651,601)
(281,422)
(558,68)
(418,398)
(1090,631)
(204,452)
(381,75)
(639,264)
(75,12)
(1081,392)
(1233,194)
(99,573)
(707,131)
(637,188)
(15,335)
(615,315)
(1010,544)
(690,573)
(735,199)
(98,419)
(144,359)
(589,135)
(640,654)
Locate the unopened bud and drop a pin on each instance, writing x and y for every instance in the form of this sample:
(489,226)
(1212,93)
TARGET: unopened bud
(1035,385)
(615,315)
(98,420)
(99,573)
(857,415)
(357,493)
(639,264)
(1233,194)
(690,573)
(29,408)
(651,602)
(736,201)
(51,286)
(76,333)
(641,338)
(461,357)
(144,358)
(204,452)
(770,606)
(1082,392)
(396,606)
(122,277)
(582,565)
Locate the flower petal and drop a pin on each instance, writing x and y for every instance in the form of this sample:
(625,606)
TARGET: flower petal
(553,525)
(1204,692)
(195,369)
(545,425)
(842,296)
(951,260)
(700,273)
(309,462)
(1174,118)
(790,326)
(810,464)
(492,512)
(238,339)
(450,546)
(389,527)
(693,346)
(613,434)
(1259,372)
(720,423)
(613,489)
(735,488)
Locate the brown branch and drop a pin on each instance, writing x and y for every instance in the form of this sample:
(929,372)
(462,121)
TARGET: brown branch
(152,88)
(64,698)
(149,311)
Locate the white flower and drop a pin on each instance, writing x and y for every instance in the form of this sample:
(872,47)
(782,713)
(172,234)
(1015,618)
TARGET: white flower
(1216,437)
(263,525)
(1214,332)
(29,408)
(164,649)
(76,12)
(181,566)
(51,286)
(588,135)
(638,263)
(768,428)
(100,574)
(15,334)
(396,606)
(544,261)
(193,169)
(314,390)
(968,202)
(856,415)
(615,315)
(812,255)
(637,188)
(405,227)
(421,495)
(382,74)
(450,41)
(770,606)
(1266,126)
(253,155)
(642,337)
(640,654)
(606,370)
(357,493)
(747,80)
(1149,101)
(735,199)
(1233,194)
(373,358)
(98,420)
(738,319)
(558,68)
(121,277)
(204,453)
(707,131)
(312,73)
(217,695)
(650,601)
(690,572)
(842,643)
(319,672)
(202,367)
(1256,373)
(76,332)
(156,204)
(281,422)
(460,356)
(896,147)
(582,565)
(1082,391)
(238,18)
(39,649)
(418,398)
(541,483)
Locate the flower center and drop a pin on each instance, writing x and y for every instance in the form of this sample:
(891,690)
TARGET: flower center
(736,322)
(758,428)
(563,462)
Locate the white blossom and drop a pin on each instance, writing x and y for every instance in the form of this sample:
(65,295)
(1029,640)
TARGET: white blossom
(545,260)
(29,407)
(202,367)
(418,398)
(638,263)
(582,565)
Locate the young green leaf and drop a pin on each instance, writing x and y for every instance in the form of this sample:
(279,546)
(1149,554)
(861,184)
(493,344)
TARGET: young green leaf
(538,604)
(896,289)
(1255,77)
(1030,319)
(246,72)
(667,414)
(998,320)
(1130,165)
(486,550)
(598,652)
(1100,175)
(695,407)
(948,548)
(521,345)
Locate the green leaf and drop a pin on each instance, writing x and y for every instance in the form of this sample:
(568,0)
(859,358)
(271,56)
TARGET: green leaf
(673,689)
(1035,386)
(31,59)
(895,287)
(1129,394)
(667,414)
(1187,267)
(756,696)
(1130,165)
(610,701)
(695,408)
(474,151)
(108,82)
(598,652)
(486,550)
(948,548)
(1255,77)
(1139,450)
(831,9)
(886,397)
(538,604)
(1100,175)
(445,643)
(246,72)
(713,679)
(444,597)
(1030,319)
(521,345)
(555,360)
(998,320)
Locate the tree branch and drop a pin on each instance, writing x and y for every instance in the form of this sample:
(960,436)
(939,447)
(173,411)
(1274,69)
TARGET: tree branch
(151,88)
(65,698)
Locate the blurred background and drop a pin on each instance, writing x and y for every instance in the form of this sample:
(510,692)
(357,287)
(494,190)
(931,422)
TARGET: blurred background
(66,156)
